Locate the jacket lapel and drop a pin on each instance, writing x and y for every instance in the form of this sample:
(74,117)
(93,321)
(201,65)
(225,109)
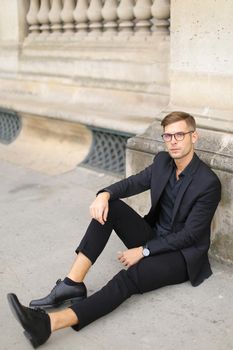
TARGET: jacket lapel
(161,181)
(183,187)
(186,182)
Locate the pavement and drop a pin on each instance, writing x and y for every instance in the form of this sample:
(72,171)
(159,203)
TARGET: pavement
(42,220)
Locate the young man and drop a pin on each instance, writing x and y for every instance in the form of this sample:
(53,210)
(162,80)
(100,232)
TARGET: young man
(168,246)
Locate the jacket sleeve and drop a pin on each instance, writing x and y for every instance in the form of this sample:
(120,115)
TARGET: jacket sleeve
(130,186)
(195,226)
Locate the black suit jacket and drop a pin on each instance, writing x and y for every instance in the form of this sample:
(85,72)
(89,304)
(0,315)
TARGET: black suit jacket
(193,211)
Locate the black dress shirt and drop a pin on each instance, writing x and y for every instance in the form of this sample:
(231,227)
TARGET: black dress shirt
(163,225)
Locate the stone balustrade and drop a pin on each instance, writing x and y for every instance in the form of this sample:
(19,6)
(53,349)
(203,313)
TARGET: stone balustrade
(98,18)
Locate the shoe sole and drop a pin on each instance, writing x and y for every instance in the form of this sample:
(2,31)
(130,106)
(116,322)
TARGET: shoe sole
(15,307)
(64,303)
(31,340)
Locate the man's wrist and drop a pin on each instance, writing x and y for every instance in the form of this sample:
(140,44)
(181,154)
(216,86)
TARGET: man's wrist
(141,250)
(145,251)
(104,194)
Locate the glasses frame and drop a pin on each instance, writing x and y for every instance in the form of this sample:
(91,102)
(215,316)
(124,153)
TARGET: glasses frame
(175,135)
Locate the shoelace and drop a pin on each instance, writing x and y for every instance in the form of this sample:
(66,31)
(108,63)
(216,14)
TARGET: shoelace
(57,283)
(38,309)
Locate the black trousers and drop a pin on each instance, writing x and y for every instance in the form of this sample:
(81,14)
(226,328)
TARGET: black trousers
(148,274)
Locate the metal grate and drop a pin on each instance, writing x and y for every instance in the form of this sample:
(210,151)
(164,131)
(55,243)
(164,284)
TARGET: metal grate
(107,151)
(10,126)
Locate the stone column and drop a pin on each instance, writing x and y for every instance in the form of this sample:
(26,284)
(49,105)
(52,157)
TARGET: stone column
(109,13)
(32,20)
(81,19)
(95,17)
(161,14)
(43,18)
(142,13)
(126,17)
(55,17)
(67,17)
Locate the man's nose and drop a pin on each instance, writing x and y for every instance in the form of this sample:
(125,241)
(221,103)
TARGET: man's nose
(173,140)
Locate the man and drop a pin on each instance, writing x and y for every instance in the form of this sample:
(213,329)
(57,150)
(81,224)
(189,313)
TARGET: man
(168,246)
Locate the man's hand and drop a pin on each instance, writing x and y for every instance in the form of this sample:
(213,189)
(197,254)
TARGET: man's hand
(131,256)
(99,207)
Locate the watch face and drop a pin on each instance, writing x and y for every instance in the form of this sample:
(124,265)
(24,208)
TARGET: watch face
(146,252)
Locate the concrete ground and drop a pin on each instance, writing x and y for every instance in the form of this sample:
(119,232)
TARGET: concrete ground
(42,220)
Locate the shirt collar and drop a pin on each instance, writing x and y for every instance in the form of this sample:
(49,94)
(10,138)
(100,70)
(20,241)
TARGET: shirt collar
(188,169)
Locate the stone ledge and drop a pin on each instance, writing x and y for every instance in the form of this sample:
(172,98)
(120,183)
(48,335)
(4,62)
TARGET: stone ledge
(80,114)
(63,99)
(154,47)
(214,147)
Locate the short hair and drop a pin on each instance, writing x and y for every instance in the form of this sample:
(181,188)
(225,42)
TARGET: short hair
(178,116)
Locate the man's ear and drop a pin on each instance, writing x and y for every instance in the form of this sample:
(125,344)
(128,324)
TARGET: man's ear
(195,137)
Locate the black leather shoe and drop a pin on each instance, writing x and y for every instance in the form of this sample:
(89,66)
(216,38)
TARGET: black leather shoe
(61,294)
(36,323)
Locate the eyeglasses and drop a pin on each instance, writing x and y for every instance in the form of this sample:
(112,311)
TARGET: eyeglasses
(179,136)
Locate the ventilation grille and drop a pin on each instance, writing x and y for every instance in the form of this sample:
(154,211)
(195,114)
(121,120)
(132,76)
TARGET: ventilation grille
(107,151)
(10,126)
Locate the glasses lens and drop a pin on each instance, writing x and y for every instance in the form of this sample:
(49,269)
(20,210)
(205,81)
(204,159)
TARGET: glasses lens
(166,137)
(179,136)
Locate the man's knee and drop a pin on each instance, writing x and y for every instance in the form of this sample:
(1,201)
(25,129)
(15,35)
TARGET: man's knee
(115,204)
(126,282)
(115,207)
(118,204)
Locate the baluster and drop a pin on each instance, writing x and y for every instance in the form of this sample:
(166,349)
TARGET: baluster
(126,16)
(80,16)
(161,13)
(43,17)
(34,27)
(95,17)
(109,13)
(142,12)
(67,17)
(55,17)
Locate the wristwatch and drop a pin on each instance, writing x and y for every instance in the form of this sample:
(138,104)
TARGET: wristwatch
(145,251)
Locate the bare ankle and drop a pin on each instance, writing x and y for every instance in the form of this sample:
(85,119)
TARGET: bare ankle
(62,319)
(52,322)
(80,268)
